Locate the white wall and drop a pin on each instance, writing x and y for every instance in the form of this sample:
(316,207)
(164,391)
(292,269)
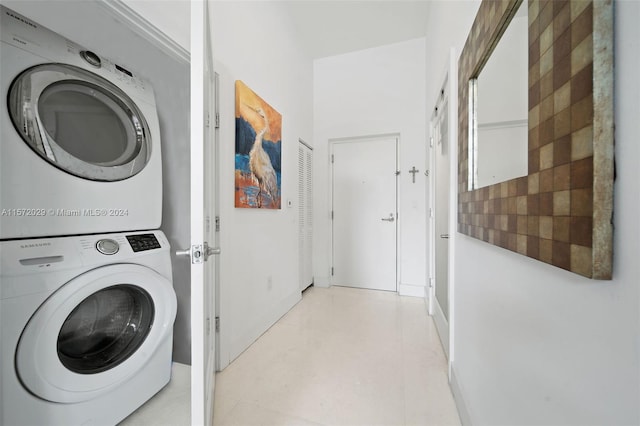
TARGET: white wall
(371,92)
(536,344)
(93,26)
(253,42)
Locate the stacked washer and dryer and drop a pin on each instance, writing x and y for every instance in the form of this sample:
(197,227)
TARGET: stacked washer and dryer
(87,303)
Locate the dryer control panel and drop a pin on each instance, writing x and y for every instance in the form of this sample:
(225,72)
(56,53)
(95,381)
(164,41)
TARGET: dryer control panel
(142,242)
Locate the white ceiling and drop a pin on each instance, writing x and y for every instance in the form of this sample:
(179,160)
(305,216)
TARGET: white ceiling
(334,27)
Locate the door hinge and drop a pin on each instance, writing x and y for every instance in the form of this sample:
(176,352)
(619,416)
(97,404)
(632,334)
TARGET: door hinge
(208,326)
(217,120)
(217,324)
(332,271)
(207,120)
(430,282)
(332,158)
(217,223)
(331,214)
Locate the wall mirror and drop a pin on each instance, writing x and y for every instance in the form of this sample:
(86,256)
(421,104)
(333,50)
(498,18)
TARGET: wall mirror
(559,211)
(499,109)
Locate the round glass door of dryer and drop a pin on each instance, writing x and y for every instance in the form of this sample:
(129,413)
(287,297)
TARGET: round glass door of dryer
(79,122)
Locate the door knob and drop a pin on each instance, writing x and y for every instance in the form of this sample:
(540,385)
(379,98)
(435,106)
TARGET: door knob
(195,253)
(210,251)
(389,219)
(186,252)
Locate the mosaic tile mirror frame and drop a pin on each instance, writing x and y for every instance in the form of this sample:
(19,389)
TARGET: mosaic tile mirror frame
(561,212)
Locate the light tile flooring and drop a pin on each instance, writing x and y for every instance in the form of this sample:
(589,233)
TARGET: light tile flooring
(341,357)
(169,407)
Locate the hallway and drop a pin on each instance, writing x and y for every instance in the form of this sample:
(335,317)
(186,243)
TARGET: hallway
(341,356)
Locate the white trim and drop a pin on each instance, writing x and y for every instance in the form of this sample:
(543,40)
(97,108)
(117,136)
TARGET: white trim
(305,144)
(463,411)
(442,325)
(145,28)
(453,198)
(411,290)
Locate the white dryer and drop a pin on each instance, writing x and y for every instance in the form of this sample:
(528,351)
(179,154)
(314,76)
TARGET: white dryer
(80,138)
(86,325)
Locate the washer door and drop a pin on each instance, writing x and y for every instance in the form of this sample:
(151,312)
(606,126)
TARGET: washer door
(95,332)
(79,122)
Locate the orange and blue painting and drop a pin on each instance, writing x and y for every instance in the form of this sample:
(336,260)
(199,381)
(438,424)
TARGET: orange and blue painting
(258,151)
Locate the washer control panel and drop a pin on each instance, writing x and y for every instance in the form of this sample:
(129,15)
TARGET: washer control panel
(107,246)
(142,242)
(91,58)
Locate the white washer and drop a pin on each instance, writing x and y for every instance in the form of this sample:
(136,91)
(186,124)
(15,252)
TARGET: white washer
(80,139)
(86,325)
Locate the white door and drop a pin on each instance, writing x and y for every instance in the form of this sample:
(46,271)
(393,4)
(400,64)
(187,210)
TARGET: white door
(442,146)
(203,184)
(210,221)
(365,212)
(305,214)
(440,152)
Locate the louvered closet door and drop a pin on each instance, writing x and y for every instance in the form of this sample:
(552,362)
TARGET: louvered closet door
(305,214)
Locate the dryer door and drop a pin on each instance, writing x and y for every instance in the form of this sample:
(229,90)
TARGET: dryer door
(79,122)
(95,332)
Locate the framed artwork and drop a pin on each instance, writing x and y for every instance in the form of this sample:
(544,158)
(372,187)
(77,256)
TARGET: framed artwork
(258,151)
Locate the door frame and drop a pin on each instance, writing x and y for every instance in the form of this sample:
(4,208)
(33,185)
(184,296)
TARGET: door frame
(332,143)
(449,84)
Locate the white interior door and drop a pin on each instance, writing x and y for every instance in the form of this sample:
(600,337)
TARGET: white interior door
(305,214)
(444,184)
(203,184)
(365,213)
(210,222)
(440,150)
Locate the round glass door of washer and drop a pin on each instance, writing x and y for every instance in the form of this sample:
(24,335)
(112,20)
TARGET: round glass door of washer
(105,329)
(95,332)
(79,122)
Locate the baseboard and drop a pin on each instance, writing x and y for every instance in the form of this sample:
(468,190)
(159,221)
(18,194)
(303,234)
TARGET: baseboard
(463,412)
(442,326)
(241,344)
(411,290)
(322,282)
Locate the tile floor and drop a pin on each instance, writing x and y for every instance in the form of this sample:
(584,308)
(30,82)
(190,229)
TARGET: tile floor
(341,357)
(169,407)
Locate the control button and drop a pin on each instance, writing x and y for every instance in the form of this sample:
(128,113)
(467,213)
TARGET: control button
(91,58)
(107,246)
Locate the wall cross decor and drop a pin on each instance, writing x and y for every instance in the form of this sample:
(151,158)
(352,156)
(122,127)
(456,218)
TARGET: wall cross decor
(413,172)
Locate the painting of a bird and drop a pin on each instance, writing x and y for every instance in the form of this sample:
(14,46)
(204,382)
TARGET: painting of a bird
(258,151)
(260,165)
